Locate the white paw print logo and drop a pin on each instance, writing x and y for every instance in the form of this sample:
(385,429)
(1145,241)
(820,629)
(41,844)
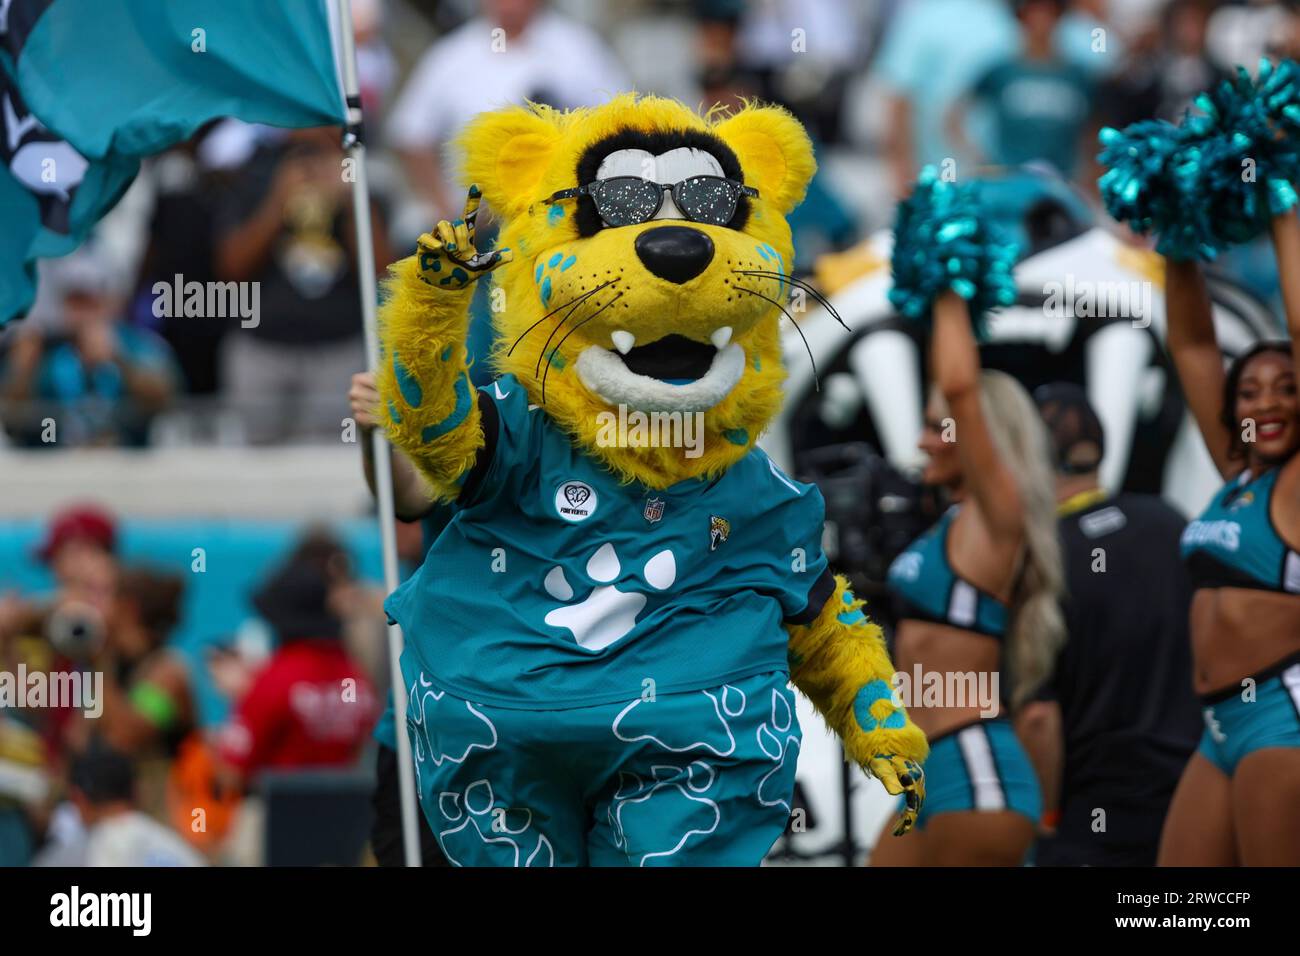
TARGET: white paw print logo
(608,614)
(676,794)
(779,739)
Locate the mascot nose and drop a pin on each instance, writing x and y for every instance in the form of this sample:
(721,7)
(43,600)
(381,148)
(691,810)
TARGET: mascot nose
(675,253)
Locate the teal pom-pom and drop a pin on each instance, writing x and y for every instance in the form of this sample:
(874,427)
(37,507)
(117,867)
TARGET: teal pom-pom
(941,242)
(1142,189)
(1217,178)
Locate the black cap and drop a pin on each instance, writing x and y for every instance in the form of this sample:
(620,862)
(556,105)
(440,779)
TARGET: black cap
(1077,437)
(295,602)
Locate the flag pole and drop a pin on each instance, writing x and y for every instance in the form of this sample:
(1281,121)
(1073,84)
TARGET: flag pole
(354,143)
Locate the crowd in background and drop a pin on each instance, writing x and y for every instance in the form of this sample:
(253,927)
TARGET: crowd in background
(115,777)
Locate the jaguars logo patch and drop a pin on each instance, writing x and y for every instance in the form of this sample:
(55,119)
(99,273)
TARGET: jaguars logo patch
(719,531)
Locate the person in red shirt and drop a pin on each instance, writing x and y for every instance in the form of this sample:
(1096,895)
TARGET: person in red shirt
(311,705)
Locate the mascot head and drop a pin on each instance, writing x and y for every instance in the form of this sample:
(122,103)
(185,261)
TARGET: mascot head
(651,253)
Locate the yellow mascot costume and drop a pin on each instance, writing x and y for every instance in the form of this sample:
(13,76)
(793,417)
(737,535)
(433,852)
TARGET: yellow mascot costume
(600,644)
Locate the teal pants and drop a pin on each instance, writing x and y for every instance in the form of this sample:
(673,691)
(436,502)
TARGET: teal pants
(702,778)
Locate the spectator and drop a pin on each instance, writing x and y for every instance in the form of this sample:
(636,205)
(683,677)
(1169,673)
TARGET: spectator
(517,50)
(1040,102)
(24,782)
(1242,33)
(180,243)
(287,226)
(77,535)
(376,68)
(311,705)
(96,381)
(925,64)
(147,697)
(46,630)
(1163,78)
(116,833)
(802,53)
(52,634)
(1121,694)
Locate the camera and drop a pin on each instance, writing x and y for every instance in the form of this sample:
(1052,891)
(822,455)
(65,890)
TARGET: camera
(873,511)
(76,630)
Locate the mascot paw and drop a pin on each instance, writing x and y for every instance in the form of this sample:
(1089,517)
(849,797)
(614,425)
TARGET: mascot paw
(447,256)
(905,776)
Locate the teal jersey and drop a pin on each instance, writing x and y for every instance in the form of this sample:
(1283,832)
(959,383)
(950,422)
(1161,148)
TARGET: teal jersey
(555,585)
(434,523)
(1234,543)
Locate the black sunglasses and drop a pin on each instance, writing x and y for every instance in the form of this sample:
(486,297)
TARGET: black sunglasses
(629,200)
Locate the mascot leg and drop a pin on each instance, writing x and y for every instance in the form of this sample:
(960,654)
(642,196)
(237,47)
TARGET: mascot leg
(492,791)
(703,778)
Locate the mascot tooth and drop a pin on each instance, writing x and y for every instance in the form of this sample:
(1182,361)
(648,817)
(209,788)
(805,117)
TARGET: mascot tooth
(600,644)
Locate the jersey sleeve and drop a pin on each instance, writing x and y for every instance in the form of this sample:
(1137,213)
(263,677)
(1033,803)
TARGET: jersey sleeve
(803,574)
(511,438)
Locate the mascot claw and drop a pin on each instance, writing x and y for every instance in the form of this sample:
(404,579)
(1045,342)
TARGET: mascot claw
(901,776)
(447,256)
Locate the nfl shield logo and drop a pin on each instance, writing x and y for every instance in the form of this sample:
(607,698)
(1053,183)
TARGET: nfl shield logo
(654,509)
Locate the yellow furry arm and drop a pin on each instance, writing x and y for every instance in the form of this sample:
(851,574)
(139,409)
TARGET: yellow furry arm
(428,403)
(839,660)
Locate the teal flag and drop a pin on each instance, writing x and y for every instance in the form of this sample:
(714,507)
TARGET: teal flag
(97,84)
(50,197)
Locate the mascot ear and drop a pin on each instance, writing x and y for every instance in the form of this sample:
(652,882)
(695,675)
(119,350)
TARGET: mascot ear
(507,152)
(775,153)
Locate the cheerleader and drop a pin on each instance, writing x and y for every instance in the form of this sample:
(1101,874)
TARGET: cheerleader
(1222,177)
(978,592)
(1238,803)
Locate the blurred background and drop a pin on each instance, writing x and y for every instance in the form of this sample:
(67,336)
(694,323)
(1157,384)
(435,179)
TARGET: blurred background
(196,525)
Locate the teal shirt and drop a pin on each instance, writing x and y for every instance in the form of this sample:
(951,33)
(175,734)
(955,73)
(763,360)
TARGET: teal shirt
(557,586)
(1040,111)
